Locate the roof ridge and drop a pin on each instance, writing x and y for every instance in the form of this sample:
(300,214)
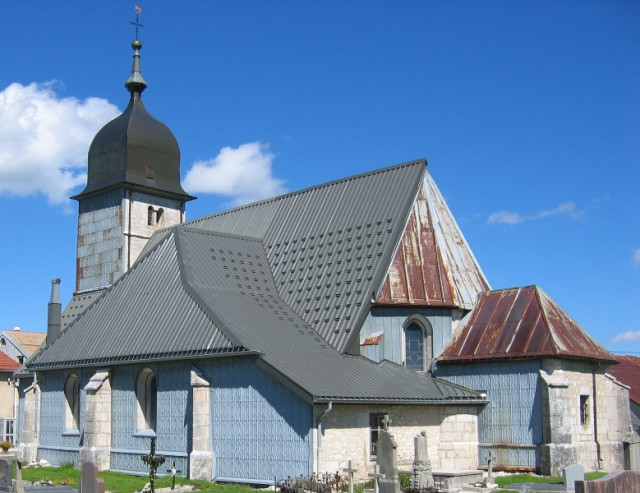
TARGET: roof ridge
(311,188)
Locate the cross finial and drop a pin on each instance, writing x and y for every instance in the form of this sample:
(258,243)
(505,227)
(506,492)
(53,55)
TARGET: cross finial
(386,421)
(136,22)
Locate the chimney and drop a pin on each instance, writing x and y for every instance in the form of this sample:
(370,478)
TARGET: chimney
(54,319)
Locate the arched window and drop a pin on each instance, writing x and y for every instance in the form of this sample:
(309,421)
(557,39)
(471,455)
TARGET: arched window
(159,214)
(418,351)
(150,214)
(72,397)
(146,396)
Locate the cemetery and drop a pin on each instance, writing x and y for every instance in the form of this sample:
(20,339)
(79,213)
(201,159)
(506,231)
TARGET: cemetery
(386,478)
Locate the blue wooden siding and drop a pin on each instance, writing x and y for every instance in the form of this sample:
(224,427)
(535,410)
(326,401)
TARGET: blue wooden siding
(173,417)
(391,321)
(58,445)
(260,429)
(511,424)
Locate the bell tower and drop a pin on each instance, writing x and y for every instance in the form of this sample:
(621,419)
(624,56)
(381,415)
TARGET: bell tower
(133,189)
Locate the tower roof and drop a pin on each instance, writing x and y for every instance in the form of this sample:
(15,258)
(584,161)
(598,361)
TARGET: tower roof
(135,150)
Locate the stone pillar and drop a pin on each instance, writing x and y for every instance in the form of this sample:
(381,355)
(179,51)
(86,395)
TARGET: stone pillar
(557,451)
(201,457)
(96,446)
(28,447)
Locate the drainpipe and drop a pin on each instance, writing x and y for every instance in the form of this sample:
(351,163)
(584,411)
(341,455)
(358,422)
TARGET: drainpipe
(595,417)
(320,433)
(54,316)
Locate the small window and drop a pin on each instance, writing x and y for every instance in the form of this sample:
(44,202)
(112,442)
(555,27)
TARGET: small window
(72,397)
(418,351)
(375,424)
(159,213)
(146,396)
(150,214)
(584,410)
(150,171)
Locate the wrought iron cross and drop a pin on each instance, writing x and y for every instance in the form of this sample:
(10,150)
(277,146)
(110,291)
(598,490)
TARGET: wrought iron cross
(136,23)
(173,472)
(153,461)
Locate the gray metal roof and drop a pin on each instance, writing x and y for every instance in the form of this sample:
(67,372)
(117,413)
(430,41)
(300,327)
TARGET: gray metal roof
(286,280)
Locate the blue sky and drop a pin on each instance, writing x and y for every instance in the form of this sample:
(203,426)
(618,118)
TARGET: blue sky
(528,113)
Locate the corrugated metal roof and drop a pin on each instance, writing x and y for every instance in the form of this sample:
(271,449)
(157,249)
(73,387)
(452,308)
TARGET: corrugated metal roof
(433,265)
(521,323)
(286,280)
(329,246)
(628,372)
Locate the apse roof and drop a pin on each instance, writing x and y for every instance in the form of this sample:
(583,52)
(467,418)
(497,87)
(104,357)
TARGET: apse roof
(521,323)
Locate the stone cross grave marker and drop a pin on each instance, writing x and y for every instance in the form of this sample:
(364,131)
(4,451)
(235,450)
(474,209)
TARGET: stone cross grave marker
(153,461)
(89,480)
(572,474)
(387,459)
(421,477)
(377,476)
(5,475)
(350,470)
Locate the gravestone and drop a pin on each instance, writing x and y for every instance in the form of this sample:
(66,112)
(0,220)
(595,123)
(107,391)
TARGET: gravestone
(572,474)
(5,475)
(421,477)
(350,470)
(387,459)
(89,480)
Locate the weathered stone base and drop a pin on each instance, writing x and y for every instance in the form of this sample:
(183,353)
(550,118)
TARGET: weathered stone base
(27,452)
(556,456)
(201,465)
(100,456)
(455,480)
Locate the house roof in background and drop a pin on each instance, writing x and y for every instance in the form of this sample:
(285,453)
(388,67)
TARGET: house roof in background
(628,372)
(7,363)
(27,342)
(521,323)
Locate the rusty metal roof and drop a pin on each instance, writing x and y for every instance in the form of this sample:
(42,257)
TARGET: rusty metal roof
(521,323)
(433,265)
(628,372)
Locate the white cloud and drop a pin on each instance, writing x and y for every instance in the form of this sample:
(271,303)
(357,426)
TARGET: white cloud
(44,139)
(244,174)
(506,217)
(628,336)
(636,257)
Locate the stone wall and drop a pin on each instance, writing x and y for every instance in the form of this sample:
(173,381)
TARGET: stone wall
(586,414)
(96,446)
(452,436)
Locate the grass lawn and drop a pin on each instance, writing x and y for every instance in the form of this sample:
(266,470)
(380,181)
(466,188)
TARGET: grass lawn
(505,481)
(123,483)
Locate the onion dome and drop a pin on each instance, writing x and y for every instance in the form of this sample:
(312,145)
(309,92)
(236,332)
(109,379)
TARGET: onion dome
(135,151)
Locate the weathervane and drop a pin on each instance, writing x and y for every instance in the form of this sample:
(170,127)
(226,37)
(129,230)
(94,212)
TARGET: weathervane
(136,23)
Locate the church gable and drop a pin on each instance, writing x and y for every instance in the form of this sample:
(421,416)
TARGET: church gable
(433,265)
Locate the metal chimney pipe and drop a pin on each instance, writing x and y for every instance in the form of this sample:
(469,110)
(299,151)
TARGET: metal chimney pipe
(54,319)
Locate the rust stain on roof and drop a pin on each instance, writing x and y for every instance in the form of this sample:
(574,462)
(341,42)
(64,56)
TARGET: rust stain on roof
(433,265)
(373,339)
(521,323)
(628,372)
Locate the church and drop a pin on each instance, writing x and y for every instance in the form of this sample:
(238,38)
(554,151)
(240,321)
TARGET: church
(272,339)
